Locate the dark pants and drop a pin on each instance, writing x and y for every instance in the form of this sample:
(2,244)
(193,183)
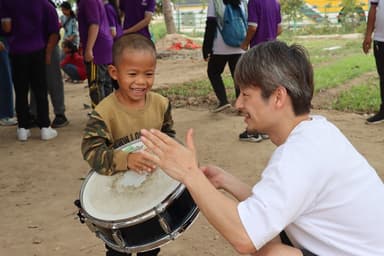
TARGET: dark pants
(71,71)
(28,71)
(6,84)
(285,240)
(216,65)
(111,252)
(378,51)
(99,82)
(55,85)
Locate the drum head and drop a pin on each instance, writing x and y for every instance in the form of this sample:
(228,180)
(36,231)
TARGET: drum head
(124,195)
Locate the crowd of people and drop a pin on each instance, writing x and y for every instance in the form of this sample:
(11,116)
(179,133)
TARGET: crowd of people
(108,43)
(35,59)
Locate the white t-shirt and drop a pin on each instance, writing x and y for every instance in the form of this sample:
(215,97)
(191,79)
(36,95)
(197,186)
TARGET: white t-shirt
(321,191)
(379,22)
(219,47)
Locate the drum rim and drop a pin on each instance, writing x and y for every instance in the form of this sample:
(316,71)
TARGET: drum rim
(193,216)
(126,222)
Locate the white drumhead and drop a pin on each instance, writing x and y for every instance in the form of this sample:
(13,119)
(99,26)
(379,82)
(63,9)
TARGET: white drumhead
(125,195)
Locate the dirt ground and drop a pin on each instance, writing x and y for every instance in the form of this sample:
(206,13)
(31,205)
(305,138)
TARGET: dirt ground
(40,180)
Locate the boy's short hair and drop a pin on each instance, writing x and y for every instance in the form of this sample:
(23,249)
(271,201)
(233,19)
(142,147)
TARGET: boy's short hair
(132,41)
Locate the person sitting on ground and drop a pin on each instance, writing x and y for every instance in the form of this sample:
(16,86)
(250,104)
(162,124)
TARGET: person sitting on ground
(118,118)
(317,190)
(73,63)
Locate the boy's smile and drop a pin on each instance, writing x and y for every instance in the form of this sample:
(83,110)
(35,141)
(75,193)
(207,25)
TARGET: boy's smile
(135,73)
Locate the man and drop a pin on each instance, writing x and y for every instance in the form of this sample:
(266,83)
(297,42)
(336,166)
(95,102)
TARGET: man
(376,24)
(316,187)
(54,82)
(264,24)
(137,16)
(96,40)
(30,50)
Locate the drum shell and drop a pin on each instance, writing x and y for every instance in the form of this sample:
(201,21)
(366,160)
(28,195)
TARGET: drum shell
(149,230)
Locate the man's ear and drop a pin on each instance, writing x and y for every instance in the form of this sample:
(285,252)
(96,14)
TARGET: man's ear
(281,95)
(112,70)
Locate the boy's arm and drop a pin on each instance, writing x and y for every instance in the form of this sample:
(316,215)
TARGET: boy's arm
(97,150)
(168,122)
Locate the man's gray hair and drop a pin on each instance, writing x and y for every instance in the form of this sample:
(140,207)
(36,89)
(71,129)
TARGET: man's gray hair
(272,64)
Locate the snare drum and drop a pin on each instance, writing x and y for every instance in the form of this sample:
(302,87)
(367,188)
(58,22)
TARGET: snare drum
(134,213)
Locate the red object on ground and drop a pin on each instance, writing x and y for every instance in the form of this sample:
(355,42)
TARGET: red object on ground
(176,46)
(191,45)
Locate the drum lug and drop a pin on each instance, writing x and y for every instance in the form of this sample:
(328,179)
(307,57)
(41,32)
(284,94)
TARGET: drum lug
(116,234)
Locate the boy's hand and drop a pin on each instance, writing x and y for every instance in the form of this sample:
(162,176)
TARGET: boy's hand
(138,162)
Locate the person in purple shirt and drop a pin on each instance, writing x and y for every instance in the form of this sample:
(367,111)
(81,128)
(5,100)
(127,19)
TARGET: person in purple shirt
(55,83)
(264,24)
(137,15)
(113,11)
(30,51)
(96,41)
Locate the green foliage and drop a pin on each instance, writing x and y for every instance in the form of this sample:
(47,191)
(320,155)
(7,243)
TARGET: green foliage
(292,10)
(158,30)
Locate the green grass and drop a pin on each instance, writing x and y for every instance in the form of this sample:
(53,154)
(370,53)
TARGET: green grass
(364,98)
(336,61)
(342,70)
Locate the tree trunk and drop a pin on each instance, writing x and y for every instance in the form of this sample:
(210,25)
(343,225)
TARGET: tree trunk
(168,17)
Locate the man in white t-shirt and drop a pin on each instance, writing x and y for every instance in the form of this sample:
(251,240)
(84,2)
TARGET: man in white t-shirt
(375,24)
(316,189)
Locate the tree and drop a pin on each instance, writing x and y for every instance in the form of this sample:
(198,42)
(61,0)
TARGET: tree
(292,10)
(167,7)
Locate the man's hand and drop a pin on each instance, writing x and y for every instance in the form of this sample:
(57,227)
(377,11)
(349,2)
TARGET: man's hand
(2,46)
(367,44)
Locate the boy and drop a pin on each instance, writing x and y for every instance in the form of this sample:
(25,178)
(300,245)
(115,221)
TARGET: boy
(118,118)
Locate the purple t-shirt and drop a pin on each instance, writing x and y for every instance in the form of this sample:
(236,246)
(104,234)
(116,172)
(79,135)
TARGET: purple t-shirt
(113,19)
(32,22)
(266,15)
(93,12)
(134,11)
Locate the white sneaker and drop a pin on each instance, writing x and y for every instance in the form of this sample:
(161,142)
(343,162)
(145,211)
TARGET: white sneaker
(8,121)
(47,133)
(23,134)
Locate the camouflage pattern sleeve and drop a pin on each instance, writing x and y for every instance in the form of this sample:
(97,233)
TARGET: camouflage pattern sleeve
(96,146)
(168,122)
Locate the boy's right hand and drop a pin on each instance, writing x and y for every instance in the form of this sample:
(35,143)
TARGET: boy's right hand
(138,162)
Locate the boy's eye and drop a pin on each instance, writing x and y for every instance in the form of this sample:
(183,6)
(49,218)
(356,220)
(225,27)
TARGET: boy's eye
(149,74)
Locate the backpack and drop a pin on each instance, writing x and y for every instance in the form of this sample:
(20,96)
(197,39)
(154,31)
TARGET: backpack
(232,23)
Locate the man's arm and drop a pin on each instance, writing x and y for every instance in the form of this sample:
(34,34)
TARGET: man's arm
(51,44)
(6,25)
(370,28)
(279,29)
(141,24)
(251,31)
(180,162)
(93,31)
